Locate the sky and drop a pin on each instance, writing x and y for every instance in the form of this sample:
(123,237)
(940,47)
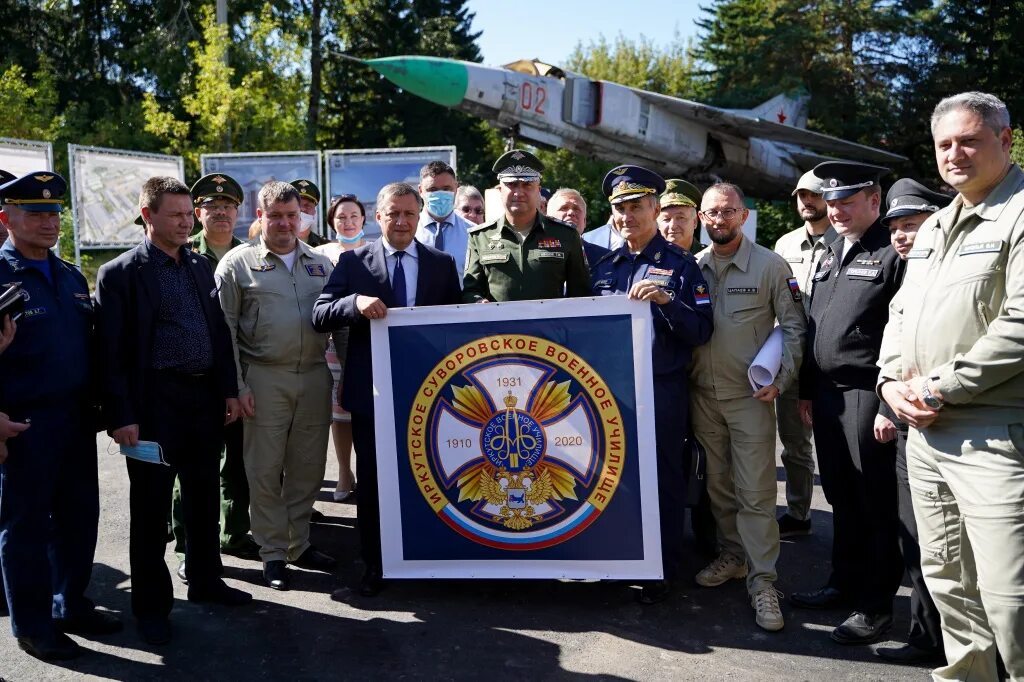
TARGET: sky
(549,29)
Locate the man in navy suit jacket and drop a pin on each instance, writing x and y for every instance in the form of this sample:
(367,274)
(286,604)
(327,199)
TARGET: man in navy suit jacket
(394,272)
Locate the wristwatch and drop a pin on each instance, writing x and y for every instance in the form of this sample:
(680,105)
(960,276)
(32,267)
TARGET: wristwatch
(929,398)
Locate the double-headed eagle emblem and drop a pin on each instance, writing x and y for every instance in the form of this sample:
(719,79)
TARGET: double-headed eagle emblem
(513,475)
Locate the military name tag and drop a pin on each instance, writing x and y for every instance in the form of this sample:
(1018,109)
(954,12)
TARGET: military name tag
(547,255)
(262,267)
(741,290)
(660,280)
(494,257)
(980,247)
(794,259)
(863,273)
(316,270)
(919,253)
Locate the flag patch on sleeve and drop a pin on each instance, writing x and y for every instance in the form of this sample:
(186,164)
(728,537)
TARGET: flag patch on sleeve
(794,288)
(701,295)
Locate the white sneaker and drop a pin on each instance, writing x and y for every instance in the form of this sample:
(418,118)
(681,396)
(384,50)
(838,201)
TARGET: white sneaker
(766,604)
(724,568)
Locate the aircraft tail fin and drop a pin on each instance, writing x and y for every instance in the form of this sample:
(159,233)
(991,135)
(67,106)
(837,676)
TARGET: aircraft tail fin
(785,109)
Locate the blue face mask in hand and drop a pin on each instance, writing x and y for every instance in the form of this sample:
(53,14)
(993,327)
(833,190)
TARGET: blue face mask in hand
(145,451)
(440,203)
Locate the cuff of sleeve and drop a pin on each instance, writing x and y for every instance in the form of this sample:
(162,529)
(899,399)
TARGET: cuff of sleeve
(244,390)
(950,388)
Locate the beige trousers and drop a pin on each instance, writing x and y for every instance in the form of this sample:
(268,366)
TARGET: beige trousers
(285,451)
(739,436)
(967,485)
(797,455)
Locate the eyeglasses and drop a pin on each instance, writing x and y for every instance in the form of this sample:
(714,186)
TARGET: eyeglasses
(474,211)
(726,213)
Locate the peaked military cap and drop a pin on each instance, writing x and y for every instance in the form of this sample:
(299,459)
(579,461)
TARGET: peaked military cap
(907,197)
(841,179)
(307,189)
(39,191)
(518,164)
(631,182)
(679,192)
(6,177)
(810,182)
(214,185)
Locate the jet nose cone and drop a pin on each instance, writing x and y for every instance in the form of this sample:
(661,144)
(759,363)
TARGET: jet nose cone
(442,81)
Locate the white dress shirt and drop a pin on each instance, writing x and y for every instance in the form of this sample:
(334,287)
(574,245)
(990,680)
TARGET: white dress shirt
(410,263)
(605,236)
(456,237)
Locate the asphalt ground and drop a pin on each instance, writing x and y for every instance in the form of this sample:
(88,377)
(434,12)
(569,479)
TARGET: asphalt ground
(459,629)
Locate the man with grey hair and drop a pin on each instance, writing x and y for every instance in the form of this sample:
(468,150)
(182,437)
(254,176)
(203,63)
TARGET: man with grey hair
(952,367)
(469,203)
(267,289)
(396,271)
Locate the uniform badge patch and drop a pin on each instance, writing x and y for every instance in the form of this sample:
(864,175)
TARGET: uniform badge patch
(549,243)
(794,288)
(701,295)
(33,312)
(79,296)
(659,271)
(316,270)
(742,290)
(980,247)
(262,267)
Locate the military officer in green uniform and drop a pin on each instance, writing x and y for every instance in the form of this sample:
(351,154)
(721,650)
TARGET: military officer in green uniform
(524,254)
(216,198)
(309,199)
(677,217)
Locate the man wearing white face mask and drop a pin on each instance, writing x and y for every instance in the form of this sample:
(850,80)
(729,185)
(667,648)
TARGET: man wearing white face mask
(440,224)
(309,198)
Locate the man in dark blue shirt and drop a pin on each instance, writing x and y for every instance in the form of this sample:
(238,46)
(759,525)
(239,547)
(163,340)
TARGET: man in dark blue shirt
(49,509)
(648,268)
(168,377)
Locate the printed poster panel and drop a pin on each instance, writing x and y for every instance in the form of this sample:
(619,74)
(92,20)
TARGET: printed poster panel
(255,169)
(21,157)
(105,186)
(363,172)
(516,440)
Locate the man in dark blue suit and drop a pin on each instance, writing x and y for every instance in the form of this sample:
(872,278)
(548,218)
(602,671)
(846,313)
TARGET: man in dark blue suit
(168,377)
(396,271)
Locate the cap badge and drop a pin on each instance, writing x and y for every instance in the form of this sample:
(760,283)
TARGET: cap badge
(833,182)
(46,194)
(303,184)
(518,155)
(619,171)
(220,179)
(43,178)
(894,202)
(219,188)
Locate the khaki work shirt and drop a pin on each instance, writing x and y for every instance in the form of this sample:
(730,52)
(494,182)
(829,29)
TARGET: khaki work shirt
(803,254)
(756,289)
(269,310)
(959,315)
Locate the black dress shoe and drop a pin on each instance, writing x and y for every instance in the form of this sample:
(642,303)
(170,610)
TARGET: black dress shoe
(653,592)
(59,648)
(860,628)
(911,655)
(92,622)
(181,573)
(244,549)
(154,630)
(316,560)
(824,598)
(275,573)
(218,592)
(790,526)
(371,584)
(317,517)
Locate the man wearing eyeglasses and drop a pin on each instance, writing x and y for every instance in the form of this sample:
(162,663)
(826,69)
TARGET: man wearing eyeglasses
(440,225)
(751,288)
(523,255)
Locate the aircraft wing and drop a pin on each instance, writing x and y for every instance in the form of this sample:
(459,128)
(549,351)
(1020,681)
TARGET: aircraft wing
(741,125)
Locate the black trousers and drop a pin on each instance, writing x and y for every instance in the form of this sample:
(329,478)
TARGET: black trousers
(858,476)
(364,440)
(925,628)
(185,415)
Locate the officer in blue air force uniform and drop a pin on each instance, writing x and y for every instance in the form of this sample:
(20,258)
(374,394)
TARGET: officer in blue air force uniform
(648,268)
(49,507)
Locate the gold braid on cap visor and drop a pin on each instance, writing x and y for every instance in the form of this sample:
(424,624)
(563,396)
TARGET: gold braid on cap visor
(630,188)
(676,200)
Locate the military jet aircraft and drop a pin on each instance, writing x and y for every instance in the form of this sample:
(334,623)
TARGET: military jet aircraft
(764,150)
